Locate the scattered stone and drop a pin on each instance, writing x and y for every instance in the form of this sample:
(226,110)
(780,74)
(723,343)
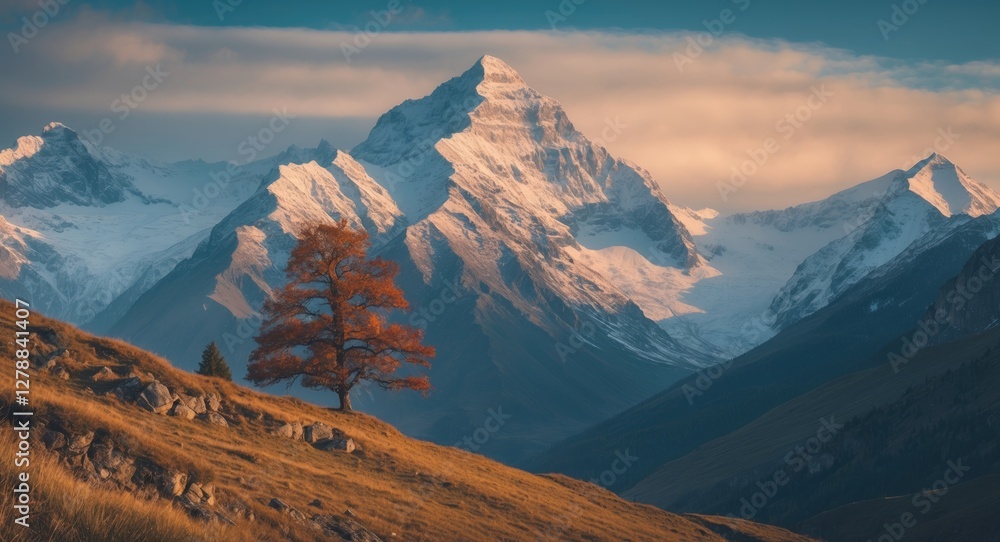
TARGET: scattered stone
(129,389)
(80,443)
(317,432)
(213,402)
(53,440)
(182,411)
(215,418)
(155,398)
(344,529)
(279,505)
(337,444)
(60,372)
(208,494)
(174,483)
(194,493)
(316,503)
(104,375)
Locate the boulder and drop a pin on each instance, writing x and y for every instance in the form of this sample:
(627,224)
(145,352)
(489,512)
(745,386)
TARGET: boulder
(103,375)
(129,389)
(197,404)
(60,372)
(79,444)
(279,505)
(317,432)
(182,411)
(53,440)
(213,402)
(342,444)
(208,494)
(194,494)
(173,483)
(155,398)
(215,418)
(340,528)
(289,430)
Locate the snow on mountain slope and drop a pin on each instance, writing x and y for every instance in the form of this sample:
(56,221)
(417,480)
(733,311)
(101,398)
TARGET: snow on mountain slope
(496,208)
(93,220)
(916,202)
(487,144)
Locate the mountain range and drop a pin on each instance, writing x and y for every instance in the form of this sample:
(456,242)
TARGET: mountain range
(559,284)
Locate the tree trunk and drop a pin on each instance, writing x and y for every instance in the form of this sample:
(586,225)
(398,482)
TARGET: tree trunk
(345,400)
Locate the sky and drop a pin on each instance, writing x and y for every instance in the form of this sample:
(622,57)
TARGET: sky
(730,104)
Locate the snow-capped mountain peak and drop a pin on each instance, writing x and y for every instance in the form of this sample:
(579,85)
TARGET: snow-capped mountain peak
(495,72)
(945,186)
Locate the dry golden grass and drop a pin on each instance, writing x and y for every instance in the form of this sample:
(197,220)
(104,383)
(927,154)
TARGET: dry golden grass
(401,488)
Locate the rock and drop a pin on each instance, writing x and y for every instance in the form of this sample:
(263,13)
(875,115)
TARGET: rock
(129,389)
(182,411)
(290,431)
(317,432)
(279,505)
(155,398)
(79,444)
(284,431)
(316,503)
(194,493)
(173,483)
(197,404)
(213,402)
(344,529)
(215,418)
(104,375)
(208,494)
(337,444)
(53,440)
(60,372)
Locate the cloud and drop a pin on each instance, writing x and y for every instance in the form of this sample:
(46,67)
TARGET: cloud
(690,127)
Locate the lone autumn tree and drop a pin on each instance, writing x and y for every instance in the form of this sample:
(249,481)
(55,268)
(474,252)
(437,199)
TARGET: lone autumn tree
(328,325)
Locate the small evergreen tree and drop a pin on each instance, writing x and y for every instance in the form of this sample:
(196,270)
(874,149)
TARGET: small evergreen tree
(213,364)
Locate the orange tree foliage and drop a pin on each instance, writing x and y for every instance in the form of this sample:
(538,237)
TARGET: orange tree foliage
(327,326)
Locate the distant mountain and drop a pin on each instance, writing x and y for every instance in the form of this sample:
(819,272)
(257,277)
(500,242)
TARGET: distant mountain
(84,224)
(912,204)
(557,282)
(510,228)
(856,332)
(897,427)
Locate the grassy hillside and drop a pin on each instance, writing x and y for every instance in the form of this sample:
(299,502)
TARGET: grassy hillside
(396,487)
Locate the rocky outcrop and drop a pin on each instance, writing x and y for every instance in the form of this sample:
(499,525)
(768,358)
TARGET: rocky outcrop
(156,398)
